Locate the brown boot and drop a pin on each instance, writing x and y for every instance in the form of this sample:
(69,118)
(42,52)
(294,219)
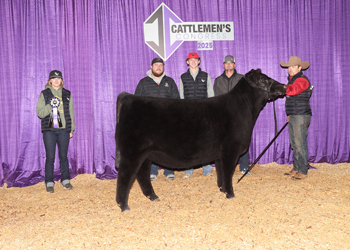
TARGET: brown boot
(291,173)
(299,176)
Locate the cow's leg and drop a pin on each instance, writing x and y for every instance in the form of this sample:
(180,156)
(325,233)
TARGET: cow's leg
(126,176)
(219,173)
(143,177)
(228,167)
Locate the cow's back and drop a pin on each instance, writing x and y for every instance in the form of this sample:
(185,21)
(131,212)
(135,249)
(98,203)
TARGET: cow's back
(168,124)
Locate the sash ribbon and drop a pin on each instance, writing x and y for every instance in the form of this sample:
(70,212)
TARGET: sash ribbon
(55,119)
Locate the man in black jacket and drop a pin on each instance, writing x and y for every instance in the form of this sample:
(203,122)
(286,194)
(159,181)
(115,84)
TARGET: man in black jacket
(157,84)
(223,84)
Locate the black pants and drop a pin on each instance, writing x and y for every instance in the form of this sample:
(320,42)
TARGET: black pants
(61,138)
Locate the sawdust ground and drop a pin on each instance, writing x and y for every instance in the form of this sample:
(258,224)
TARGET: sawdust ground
(270,211)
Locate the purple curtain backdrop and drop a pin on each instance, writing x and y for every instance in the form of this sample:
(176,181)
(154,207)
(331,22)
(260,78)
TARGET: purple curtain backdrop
(99,46)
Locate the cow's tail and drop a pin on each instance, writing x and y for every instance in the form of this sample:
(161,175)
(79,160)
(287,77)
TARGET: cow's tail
(119,106)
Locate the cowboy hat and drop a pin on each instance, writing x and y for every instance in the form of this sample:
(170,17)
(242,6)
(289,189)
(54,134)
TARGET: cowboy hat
(294,60)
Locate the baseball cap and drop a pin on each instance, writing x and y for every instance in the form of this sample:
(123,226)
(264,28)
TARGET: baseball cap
(55,74)
(192,55)
(229,58)
(157,60)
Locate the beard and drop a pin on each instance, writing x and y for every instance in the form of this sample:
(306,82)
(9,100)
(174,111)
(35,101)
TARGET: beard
(157,74)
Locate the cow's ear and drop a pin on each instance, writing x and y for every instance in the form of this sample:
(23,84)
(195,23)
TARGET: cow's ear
(256,75)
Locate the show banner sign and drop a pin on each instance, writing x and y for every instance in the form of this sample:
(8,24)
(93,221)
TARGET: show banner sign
(164,31)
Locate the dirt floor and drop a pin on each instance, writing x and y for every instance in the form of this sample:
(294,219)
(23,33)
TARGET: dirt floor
(270,211)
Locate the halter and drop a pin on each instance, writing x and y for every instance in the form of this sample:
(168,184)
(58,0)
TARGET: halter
(266,88)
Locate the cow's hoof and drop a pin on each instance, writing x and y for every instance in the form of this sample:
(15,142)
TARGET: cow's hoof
(153,198)
(124,208)
(230,196)
(127,208)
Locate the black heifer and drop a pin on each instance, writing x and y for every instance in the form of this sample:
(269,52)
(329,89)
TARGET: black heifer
(180,134)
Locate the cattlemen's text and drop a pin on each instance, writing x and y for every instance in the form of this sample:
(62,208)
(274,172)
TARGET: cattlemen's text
(200,28)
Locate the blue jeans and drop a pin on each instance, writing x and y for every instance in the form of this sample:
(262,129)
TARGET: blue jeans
(154,170)
(206,170)
(61,138)
(244,162)
(298,129)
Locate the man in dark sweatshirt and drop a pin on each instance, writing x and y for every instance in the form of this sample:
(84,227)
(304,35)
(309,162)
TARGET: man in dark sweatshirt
(157,84)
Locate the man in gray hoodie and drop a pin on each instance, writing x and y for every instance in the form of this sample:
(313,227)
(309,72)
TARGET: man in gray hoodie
(157,84)
(223,84)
